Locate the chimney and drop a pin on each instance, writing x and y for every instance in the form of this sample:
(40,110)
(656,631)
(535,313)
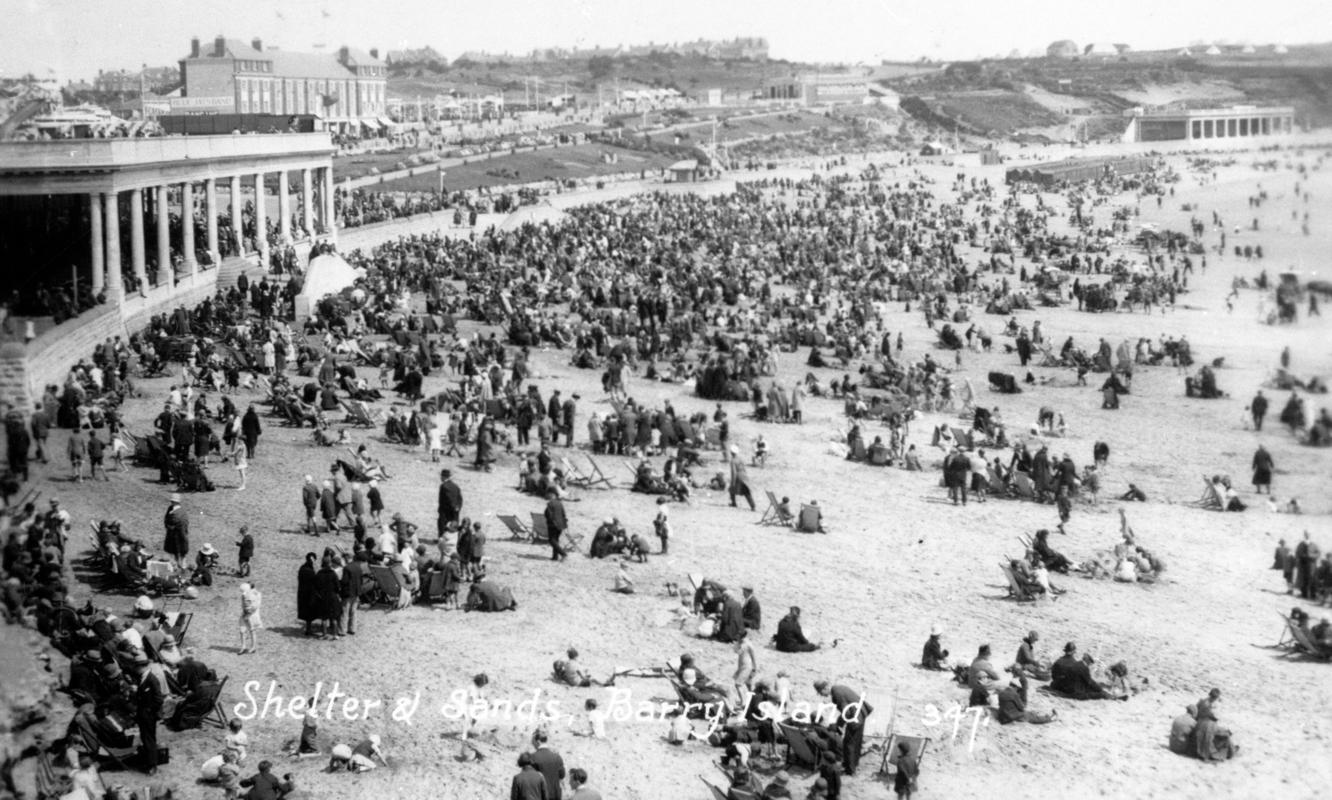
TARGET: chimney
(194,47)
(219,47)
(257,44)
(374,53)
(344,55)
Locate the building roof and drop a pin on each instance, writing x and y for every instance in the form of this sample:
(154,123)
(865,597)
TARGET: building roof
(290,64)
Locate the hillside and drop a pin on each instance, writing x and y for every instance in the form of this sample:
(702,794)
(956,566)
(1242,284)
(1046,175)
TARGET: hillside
(1055,97)
(687,74)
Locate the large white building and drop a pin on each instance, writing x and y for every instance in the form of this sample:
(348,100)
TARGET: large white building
(348,89)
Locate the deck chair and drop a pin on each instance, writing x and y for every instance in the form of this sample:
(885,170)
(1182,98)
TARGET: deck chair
(1025,488)
(712,438)
(1304,645)
(178,623)
(809,519)
(774,515)
(963,437)
(49,781)
(573,475)
(717,793)
(212,693)
(516,527)
(917,745)
(798,749)
(540,533)
(356,415)
(388,584)
(633,471)
(596,477)
(997,486)
(1210,499)
(1015,588)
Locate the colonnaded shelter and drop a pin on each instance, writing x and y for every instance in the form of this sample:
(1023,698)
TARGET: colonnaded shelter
(1244,122)
(135,228)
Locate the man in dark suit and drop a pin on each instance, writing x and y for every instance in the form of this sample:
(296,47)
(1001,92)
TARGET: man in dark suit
(148,699)
(556,524)
(550,765)
(349,589)
(528,784)
(450,502)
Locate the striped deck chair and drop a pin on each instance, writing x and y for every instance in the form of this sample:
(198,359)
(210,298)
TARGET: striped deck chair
(356,415)
(516,527)
(540,533)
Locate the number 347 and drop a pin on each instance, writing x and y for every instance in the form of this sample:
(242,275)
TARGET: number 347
(955,712)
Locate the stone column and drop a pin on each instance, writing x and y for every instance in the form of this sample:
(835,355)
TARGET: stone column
(284,207)
(97,242)
(210,200)
(260,220)
(187,227)
(307,201)
(136,239)
(115,284)
(237,220)
(162,208)
(330,213)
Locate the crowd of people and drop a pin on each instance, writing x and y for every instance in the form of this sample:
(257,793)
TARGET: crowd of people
(660,287)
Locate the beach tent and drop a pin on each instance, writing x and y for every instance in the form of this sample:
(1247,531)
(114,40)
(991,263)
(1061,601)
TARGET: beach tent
(327,274)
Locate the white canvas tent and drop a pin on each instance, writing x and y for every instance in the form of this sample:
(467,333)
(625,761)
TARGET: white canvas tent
(327,274)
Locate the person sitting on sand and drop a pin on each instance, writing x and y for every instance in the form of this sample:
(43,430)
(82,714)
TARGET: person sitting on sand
(1181,731)
(790,638)
(571,673)
(1013,704)
(1027,663)
(1071,677)
(490,596)
(623,583)
(982,678)
(933,655)
(1052,558)
(1211,742)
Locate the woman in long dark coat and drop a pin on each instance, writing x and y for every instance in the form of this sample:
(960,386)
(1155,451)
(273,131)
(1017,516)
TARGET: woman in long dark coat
(328,602)
(306,610)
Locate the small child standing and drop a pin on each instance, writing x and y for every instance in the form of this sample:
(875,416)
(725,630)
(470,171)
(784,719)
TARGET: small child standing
(251,599)
(246,545)
(384,375)
(242,464)
(661,524)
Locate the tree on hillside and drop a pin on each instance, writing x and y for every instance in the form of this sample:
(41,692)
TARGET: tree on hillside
(600,67)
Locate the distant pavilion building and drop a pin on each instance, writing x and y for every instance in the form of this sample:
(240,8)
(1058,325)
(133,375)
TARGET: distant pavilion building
(1236,122)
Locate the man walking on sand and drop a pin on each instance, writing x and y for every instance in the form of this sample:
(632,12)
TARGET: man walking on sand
(739,479)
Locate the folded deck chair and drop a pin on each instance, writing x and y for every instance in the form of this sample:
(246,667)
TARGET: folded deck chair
(540,533)
(516,527)
(774,515)
(1015,588)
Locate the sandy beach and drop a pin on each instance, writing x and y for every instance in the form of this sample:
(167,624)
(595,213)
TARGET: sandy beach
(897,559)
